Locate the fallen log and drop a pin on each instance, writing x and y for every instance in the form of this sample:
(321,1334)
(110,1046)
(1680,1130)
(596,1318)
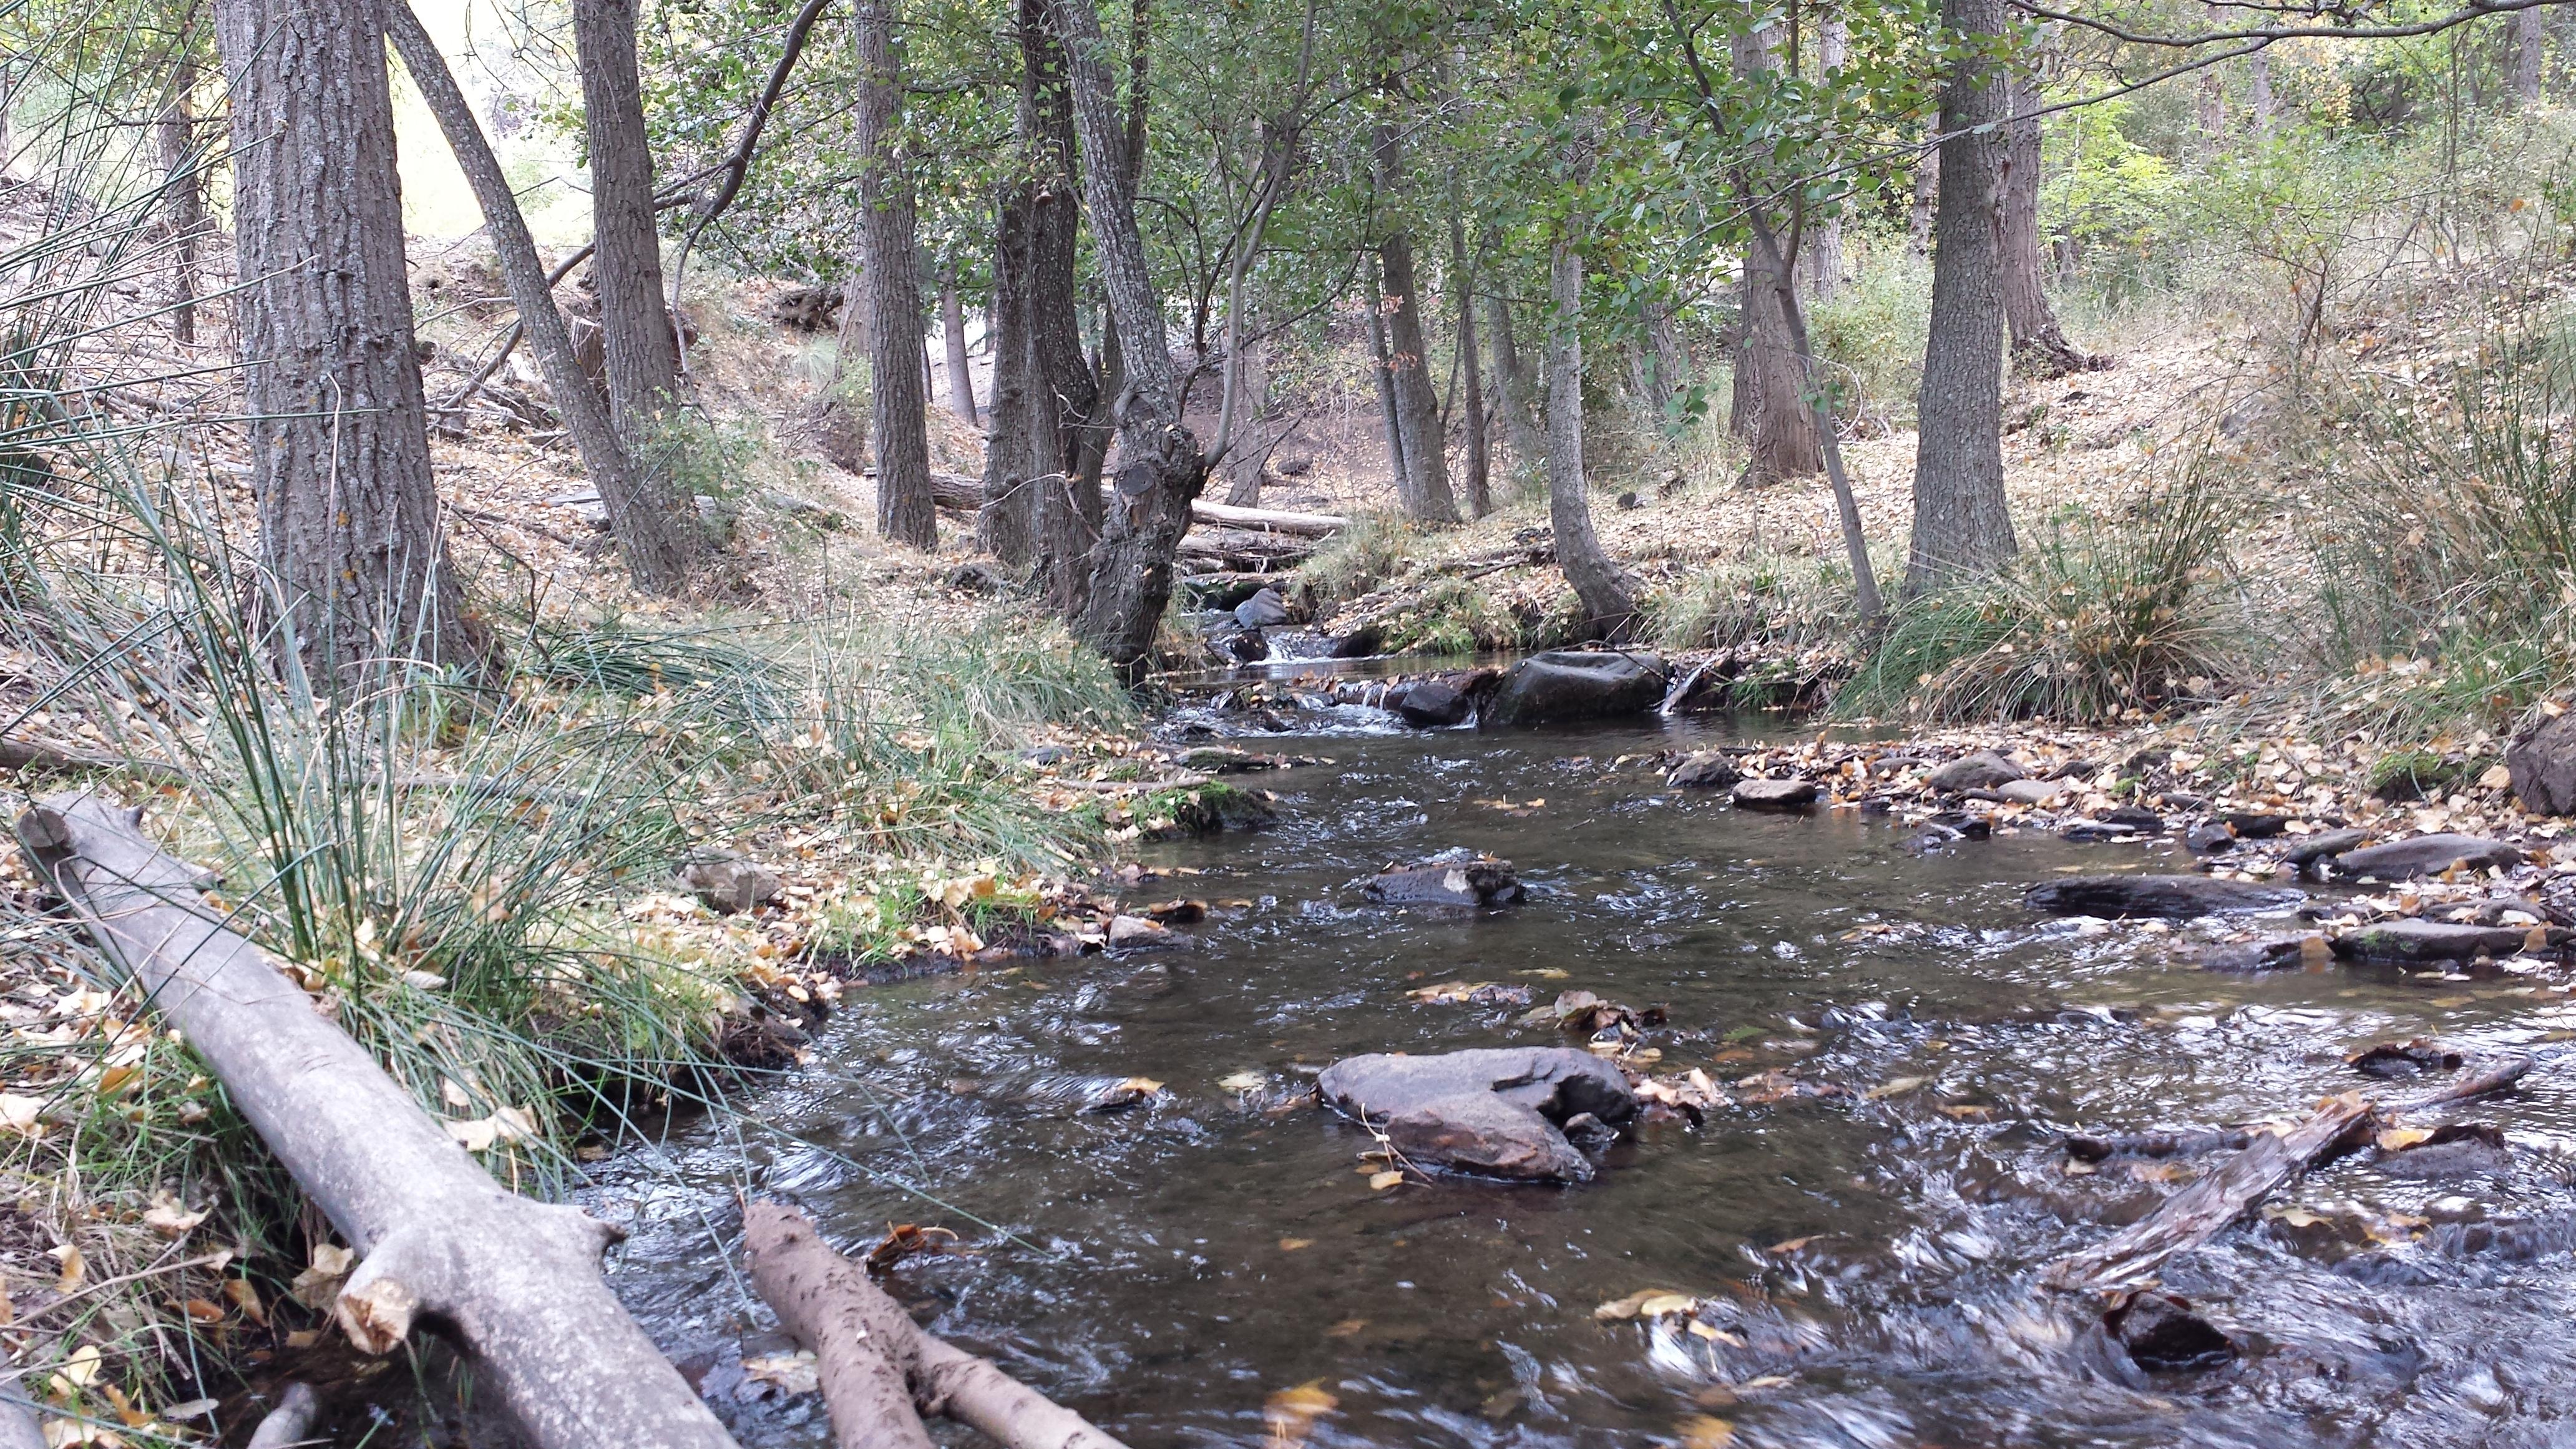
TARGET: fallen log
(860,1336)
(2202,1210)
(516,1281)
(964,493)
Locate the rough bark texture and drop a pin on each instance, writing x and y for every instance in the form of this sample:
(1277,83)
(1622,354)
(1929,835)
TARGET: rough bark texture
(1918,210)
(2258,92)
(339,442)
(1824,260)
(1245,464)
(635,327)
(2529,37)
(1423,487)
(1471,382)
(1382,359)
(1006,518)
(2039,347)
(1769,408)
(892,284)
(516,1281)
(1160,468)
(829,1302)
(1608,599)
(176,129)
(952,334)
(656,538)
(1513,389)
(1962,525)
(1068,412)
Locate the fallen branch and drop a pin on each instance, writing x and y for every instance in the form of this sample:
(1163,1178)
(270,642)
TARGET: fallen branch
(37,755)
(2201,1211)
(861,1337)
(516,1281)
(291,1422)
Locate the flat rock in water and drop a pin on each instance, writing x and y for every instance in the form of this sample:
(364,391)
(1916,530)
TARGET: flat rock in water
(1432,704)
(1574,685)
(1707,770)
(2249,826)
(2427,855)
(1788,794)
(2325,846)
(2174,896)
(1984,770)
(2209,838)
(2030,792)
(2415,939)
(1499,1112)
(1478,880)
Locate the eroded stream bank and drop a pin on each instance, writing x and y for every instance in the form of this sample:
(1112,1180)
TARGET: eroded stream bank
(1212,1264)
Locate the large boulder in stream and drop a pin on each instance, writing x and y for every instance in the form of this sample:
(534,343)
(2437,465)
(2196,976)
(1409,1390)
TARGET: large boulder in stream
(2427,855)
(1564,685)
(1497,1112)
(1984,770)
(2411,939)
(1453,878)
(2178,897)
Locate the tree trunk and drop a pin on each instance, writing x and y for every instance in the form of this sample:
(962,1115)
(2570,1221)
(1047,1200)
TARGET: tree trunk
(440,1242)
(2258,92)
(1244,465)
(1064,417)
(2530,34)
(1672,364)
(952,329)
(892,282)
(634,324)
(339,442)
(1918,211)
(177,130)
(1005,521)
(1389,419)
(1513,389)
(1824,261)
(1160,468)
(1962,524)
(656,538)
(1769,408)
(1462,285)
(2039,348)
(1608,598)
(1423,487)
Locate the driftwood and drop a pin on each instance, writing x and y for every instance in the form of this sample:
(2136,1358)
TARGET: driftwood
(867,1349)
(2202,1210)
(516,1281)
(291,1422)
(964,494)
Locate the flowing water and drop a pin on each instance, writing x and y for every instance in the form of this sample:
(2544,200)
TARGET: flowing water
(1870,1260)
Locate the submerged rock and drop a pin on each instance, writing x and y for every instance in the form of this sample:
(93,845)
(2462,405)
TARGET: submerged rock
(1791,794)
(2162,1334)
(2325,847)
(2175,896)
(1498,1112)
(1984,770)
(1456,879)
(2415,939)
(2428,855)
(1707,770)
(1569,685)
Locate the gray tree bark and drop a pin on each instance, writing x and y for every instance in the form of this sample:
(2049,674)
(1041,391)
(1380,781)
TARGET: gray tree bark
(1769,408)
(339,441)
(516,1281)
(635,328)
(1824,261)
(952,334)
(1462,285)
(1068,415)
(2530,37)
(1918,210)
(1423,487)
(1513,389)
(1609,600)
(891,280)
(2258,92)
(656,538)
(1382,362)
(1005,522)
(176,129)
(2039,346)
(1962,523)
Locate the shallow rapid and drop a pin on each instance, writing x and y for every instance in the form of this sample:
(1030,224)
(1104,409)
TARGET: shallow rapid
(1169,1268)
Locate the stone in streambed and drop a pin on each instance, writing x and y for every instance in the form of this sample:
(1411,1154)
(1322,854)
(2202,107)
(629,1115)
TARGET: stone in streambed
(1564,685)
(1984,770)
(1456,879)
(2162,1334)
(2030,792)
(1498,1112)
(2427,855)
(1431,704)
(1262,610)
(2415,939)
(1790,794)
(2542,763)
(1707,770)
(2179,897)
(2326,846)
(728,883)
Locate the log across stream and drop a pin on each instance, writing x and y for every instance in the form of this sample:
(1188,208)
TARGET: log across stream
(1213,1265)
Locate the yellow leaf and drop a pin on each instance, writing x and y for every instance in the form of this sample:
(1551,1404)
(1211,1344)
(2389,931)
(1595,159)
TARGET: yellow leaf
(1896,1088)
(794,1372)
(79,1371)
(1141,1086)
(1291,1412)
(75,1268)
(1706,1431)
(113,1080)
(474,1136)
(1347,1328)
(1243,1082)
(246,1298)
(1290,1245)
(1629,1307)
(1381,1181)
(170,1217)
(2398,1139)
(1664,1305)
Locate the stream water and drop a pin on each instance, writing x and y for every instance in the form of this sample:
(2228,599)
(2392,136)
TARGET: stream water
(1170,1268)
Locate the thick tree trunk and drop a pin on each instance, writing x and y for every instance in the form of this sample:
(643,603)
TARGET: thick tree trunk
(339,440)
(2039,347)
(1824,260)
(2530,38)
(1382,359)
(1066,416)
(1962,524)
(1246,463)
(1769,408)
(1609,600)
(952,332)
(1513,389)
(634,325)
(1006,519)
(656,538)
(1423,487)
(1160,468)
(1462,287)
(516,1281)
(186,199)
(892,282)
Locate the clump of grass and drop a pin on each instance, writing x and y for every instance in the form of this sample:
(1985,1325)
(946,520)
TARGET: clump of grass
(1371,550)
(1773,601)
(1451,617)
(2098,618)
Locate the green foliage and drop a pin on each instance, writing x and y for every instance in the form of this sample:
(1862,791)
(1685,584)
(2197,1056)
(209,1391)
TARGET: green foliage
(1874,326)
(1451,617)
(1374,549)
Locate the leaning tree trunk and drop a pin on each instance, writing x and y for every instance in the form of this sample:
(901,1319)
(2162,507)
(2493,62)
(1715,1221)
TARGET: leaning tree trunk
(892,284)
(1609,600)
(339,441)
(1769,409)
(1513,389)
(1962,524)
(2039,347)
(1423,487)
(952,335)
(1160,468)
(655,538)
(440,1243)
(1004,521)
(186,199)
(1067,403)
(643,352)
(1480,493)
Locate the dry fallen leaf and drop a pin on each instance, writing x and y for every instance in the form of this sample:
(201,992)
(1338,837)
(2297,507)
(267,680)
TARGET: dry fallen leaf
(169,1217)
(2398,1139)
(1291,1412)
(1347,1328)
(20,1114)
(794,1372)
(1706,1431)
(319,1283)
(1635,1303)
(1290,1245)
(1243,1082)
(245,1296)
(1381,1181)
(75,1268)
(1897,1087)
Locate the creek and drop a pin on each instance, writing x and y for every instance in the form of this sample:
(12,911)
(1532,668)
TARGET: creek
(1172,1268)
